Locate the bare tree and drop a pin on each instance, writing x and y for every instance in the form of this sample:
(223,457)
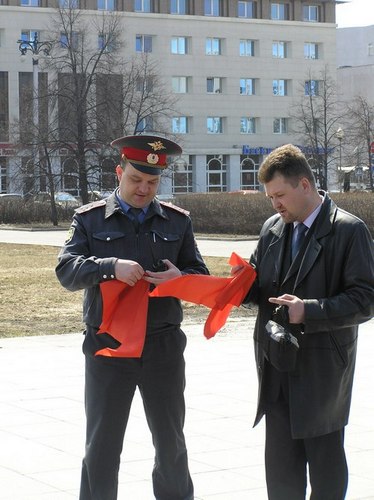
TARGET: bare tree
(95,93)
(362,132)
(316,119)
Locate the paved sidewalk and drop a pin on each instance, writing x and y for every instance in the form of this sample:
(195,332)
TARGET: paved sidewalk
(42,420)
(213,248)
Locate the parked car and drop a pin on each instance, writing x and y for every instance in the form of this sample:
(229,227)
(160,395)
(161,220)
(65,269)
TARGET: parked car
(61,198)
(98,195)
(12,197)
(66,200)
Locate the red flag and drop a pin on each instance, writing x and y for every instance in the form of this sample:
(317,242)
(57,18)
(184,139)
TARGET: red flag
(125,308)
(124,317)
(219,294)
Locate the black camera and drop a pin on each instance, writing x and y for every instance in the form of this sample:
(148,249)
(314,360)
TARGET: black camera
(282,346)
(159,266)
(280,316)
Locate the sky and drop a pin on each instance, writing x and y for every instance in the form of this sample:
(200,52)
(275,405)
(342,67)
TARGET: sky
(355,13)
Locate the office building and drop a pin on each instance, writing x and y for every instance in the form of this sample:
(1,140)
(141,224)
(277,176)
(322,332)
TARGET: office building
(236,65)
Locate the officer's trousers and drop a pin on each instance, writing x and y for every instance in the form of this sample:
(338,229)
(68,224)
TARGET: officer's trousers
(286,460)
(109,389)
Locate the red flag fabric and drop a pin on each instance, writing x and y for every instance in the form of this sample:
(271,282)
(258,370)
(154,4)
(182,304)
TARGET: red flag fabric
(219,294)
(124,317)
(125,308)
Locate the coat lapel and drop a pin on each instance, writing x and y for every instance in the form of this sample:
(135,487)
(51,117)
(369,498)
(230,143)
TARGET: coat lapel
(304,264)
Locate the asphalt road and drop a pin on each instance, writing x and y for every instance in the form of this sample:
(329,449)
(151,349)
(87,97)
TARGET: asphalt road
(207,247)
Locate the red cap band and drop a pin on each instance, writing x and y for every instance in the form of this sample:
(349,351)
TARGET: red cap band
(147,157)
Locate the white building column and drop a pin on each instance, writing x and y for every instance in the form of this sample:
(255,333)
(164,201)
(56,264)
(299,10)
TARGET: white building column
(200,174)
(233,173)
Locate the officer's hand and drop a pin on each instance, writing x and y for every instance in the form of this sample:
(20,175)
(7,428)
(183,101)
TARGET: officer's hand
(128,271)
(296,309)
(157,278)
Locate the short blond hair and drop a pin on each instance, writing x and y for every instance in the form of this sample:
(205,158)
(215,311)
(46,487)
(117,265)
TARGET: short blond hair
(288,161)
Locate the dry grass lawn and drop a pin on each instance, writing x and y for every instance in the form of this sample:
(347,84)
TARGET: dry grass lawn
(32,302)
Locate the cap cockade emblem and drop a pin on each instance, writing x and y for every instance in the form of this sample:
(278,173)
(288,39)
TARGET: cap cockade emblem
(156,146)
(152,158)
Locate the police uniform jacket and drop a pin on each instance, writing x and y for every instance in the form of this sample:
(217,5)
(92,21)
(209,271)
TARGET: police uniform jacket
(335,278)
(100,234)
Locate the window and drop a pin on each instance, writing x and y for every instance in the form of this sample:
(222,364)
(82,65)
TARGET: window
(212,7)
(30,3)
(247,9)
(179,45)
(178,7)
(180,125)
(72,42)
(69,177)
(310,50)
(69,4)
(142,6)
(247,48)
(3,175)
(144,125)
(179,84)
(279,50)
(105,5)
(143,43)
(280,87)
(214,85)
(249,166)
(247,86)
(280,125)
(216,173)
(213,46)
(28,35)
(279,11)
(311,13)
(182,176)
(145,85)
(311,87)
(247,125)
(4,106)
(104,43)
(214,125)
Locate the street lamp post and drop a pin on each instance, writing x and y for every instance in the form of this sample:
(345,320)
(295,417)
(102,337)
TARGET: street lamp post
(340,137)
(37,49)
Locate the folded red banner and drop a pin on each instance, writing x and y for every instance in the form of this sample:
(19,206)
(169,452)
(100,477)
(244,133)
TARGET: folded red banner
(125,307)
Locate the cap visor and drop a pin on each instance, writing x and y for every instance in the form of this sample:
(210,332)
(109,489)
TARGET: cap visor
(145,169)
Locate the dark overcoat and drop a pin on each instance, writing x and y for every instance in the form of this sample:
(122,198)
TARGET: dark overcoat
(336,281)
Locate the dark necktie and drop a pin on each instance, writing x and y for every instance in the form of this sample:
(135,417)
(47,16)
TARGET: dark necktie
(134,214)
(298,241)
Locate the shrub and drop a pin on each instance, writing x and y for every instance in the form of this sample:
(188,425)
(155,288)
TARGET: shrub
(241,213)
(244,213)
(29,212)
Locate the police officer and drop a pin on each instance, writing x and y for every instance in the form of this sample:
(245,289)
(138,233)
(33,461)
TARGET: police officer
(109,240)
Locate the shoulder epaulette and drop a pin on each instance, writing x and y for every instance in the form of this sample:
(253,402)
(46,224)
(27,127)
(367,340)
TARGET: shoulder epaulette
(174,207)
(90,206)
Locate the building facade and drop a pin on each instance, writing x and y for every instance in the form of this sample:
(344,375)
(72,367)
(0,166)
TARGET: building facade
(355,77)
(237,66)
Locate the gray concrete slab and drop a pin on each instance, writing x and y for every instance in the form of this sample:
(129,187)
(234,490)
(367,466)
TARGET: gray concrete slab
(42,420)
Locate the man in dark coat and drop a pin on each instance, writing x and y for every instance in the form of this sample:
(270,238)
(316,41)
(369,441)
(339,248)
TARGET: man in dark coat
(133,238)
(326,290)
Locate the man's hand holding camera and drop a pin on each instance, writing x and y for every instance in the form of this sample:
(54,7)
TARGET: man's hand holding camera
(296,310)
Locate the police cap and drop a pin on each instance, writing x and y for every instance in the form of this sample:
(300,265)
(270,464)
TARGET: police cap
(147,153)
